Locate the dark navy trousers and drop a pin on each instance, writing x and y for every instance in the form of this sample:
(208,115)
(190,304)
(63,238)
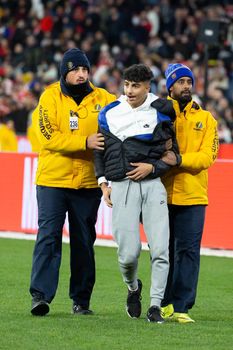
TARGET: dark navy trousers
(186,228)
(82,206)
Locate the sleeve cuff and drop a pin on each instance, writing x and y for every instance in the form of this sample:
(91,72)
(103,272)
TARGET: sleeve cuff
(102,179)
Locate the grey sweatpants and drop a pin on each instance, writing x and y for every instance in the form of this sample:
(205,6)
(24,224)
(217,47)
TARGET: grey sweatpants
(130,200)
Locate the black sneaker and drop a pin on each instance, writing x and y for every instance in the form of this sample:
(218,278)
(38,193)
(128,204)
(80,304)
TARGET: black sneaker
(81,310)
(153,315)
(133,303)
(40,307)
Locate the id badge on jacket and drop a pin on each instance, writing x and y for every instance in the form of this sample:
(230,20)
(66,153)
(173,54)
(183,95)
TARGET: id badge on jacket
(73,121)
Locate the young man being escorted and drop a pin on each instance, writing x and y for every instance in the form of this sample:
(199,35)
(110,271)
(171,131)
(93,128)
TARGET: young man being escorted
(137,135)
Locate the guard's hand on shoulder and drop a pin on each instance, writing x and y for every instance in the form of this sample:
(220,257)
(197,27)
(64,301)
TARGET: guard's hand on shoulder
(96,141)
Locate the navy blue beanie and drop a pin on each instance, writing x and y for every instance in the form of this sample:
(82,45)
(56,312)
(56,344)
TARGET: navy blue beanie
(176,71)
(72,59)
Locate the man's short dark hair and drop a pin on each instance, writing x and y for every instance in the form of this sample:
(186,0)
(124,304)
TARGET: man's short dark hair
(138,72)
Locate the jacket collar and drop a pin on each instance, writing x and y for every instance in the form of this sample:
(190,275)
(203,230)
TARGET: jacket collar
(192,106)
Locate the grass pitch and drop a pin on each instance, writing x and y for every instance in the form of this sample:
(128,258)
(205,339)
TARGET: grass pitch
(110,327)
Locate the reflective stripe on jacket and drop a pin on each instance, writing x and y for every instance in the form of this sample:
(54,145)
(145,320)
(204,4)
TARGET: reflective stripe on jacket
(64,160)
(196,134)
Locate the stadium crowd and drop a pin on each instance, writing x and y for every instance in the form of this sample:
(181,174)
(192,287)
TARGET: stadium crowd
(114,34)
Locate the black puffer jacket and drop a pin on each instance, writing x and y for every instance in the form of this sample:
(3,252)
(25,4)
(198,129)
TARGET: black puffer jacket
(114,162)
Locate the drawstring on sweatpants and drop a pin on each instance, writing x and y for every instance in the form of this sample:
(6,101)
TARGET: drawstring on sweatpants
(140,189)
(127,190)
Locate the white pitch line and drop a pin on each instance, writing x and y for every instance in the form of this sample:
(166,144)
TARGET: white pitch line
(109,243)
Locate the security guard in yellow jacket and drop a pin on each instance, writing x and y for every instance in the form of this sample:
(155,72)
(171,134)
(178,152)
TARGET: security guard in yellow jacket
(196,133)
(65,122)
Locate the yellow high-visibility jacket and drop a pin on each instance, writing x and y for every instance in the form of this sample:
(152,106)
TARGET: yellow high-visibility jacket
(197,137)
(64,160)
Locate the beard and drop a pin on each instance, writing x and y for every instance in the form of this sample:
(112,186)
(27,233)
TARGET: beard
(184,97)
(77,89)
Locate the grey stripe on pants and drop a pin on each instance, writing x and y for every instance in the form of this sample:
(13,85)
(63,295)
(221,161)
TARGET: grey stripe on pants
(149,198)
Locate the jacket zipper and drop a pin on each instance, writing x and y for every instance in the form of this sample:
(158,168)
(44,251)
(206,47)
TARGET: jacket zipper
(123,154)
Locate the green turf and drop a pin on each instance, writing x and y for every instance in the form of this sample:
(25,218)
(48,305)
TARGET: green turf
(110,328)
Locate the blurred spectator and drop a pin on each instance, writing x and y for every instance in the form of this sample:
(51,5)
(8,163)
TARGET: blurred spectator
(32,137)
(114,34)
(224,132)
(8,139)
